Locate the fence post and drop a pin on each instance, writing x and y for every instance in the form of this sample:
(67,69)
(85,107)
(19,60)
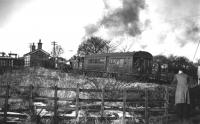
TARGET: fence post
(146,106)
(77,101)
(55,118)
(102,104)
(31,106)
(124,106)
(166,103)
(6,103)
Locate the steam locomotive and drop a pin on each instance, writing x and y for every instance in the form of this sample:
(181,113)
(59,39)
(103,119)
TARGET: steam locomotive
(137,65)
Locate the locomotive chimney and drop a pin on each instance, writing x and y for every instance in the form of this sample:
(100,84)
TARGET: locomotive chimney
(39,44)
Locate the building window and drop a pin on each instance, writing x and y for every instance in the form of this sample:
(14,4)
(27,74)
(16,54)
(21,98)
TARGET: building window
(27,61)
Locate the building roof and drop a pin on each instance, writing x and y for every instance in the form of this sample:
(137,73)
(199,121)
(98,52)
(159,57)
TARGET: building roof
(5,57)
(41,50)
(8,57)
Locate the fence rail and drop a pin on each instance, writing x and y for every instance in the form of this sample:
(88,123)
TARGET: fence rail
(56,108)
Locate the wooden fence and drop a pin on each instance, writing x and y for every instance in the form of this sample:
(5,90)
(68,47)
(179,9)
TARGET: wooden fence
(124,100)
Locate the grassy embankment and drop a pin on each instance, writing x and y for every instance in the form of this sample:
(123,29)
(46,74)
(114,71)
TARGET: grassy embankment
(40,77)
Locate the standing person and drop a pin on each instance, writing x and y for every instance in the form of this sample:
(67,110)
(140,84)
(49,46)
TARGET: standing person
(182,98)
(198,74)
(158,73)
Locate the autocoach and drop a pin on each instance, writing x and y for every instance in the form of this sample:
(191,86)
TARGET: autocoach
(132,64)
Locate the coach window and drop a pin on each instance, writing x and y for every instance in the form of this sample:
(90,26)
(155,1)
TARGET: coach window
(1,62)
(121,62)
(91,60)
(114,61)
(111,61)
(102,60)
(4,63)
(8,63)
(11,63)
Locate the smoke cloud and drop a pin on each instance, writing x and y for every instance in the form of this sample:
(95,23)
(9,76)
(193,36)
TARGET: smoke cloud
(184,17)
(121,20)
(91,29)
(190,32)
(125,18)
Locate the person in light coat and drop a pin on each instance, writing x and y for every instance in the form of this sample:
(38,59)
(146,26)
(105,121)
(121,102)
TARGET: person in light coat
(182,98)
(198,74)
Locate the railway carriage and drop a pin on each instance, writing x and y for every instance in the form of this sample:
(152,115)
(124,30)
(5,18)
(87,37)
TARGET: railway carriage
(128,63)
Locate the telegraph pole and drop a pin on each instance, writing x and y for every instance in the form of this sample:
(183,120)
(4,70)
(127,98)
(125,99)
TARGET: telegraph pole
(198,68)
(54,53)
(196,50)
(54,48)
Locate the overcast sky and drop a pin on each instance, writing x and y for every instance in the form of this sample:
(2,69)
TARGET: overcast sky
(158,26)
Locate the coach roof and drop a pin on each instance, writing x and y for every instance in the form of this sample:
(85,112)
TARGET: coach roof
(117,54)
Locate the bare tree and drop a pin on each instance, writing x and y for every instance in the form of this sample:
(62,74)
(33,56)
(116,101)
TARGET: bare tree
(126,48)
(94,45)
(57,51)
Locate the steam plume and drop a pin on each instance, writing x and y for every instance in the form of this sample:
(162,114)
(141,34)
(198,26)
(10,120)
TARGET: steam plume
(122,20)
(184,17)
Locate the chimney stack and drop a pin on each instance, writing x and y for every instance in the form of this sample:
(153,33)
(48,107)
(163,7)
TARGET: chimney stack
(33,47)
(39,44)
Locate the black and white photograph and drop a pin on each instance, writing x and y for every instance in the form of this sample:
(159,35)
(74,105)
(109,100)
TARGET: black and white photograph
(99,62)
